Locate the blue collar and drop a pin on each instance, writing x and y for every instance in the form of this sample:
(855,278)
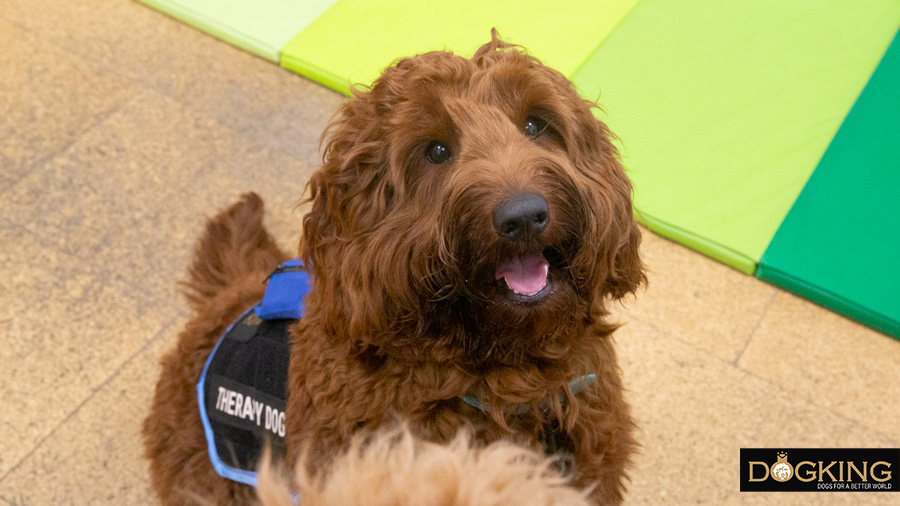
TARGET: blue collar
(575,386)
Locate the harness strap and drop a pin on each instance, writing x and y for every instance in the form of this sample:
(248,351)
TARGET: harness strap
(576,385)
(285,291)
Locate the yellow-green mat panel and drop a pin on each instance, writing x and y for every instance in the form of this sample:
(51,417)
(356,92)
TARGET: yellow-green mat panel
(355,40)
(725,108)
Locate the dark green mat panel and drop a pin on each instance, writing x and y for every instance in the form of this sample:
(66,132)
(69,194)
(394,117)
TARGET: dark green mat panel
(840,243)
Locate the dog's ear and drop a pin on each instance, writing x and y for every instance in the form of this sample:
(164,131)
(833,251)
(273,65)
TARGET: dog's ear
(349,193)
(619,269)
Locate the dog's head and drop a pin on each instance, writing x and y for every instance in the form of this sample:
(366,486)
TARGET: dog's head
(469,202)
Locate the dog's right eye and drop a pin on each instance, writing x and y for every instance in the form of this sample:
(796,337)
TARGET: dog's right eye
(534,127)
(437,153)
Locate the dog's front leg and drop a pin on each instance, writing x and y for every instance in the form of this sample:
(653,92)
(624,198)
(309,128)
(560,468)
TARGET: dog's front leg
(602,440)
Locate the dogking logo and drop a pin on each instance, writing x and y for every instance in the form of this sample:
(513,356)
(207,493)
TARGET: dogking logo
(820,469)
(782,471)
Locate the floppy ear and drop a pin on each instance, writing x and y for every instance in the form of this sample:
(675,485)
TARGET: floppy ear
(625,270)
(618,270)
(351,181)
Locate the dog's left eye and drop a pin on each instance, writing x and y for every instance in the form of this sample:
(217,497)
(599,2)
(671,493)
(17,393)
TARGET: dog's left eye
(534,127)
(437,153)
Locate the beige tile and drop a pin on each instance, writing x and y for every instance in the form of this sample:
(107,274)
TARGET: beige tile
(830,361)
(860,436)
(695,411)
(131,195)
(96,456)
(266,104)
(696,300)
(48,98)
(64,332)
(53,18)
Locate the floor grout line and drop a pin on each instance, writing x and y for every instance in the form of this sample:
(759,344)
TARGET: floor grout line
(41,162)
(852,421)
(159,335)
(96,64)
(798,396)
(759,321)
(150,86)
(174,303)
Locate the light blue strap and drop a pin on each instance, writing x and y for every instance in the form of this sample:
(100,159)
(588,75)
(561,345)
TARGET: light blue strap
(578,384)
(223,469)
(475,403)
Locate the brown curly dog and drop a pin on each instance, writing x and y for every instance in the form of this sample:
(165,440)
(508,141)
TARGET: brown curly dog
(469,225)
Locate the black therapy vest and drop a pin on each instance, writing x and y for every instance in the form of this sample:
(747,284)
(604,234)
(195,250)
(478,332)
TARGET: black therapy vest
(242,391)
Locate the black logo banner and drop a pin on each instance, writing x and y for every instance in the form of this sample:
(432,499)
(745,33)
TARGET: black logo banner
(820,469)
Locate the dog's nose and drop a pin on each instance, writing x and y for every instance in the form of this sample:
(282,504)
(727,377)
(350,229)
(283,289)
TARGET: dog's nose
(521,217)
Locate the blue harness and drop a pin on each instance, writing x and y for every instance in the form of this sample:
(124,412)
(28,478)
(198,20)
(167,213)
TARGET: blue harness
(242,392)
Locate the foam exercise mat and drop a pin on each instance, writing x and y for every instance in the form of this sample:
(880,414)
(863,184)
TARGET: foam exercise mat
(725,108)
(262,28)
(725,111)
(840,243)
(356,39)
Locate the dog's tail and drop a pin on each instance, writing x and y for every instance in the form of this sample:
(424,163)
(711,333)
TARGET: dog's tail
(234,246)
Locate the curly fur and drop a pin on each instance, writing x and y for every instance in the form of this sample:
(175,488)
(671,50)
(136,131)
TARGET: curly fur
(405,315)
(392,468)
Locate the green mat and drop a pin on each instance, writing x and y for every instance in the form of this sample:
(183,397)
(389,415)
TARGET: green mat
(725,108)
(840,243)
(262,28)
(356,39)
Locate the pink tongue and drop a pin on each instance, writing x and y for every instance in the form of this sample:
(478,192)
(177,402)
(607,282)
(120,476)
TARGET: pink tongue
(526,275)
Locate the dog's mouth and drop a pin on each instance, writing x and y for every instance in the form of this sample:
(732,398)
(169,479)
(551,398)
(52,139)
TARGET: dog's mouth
(526,277)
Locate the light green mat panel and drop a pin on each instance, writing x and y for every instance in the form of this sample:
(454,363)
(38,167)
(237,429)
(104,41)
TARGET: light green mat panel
(840,243)
(725,108)
(356,39)
(260,27)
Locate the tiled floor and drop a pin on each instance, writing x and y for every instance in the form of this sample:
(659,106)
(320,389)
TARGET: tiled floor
(120,129)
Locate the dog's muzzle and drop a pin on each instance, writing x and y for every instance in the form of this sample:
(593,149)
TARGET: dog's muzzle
(521,219)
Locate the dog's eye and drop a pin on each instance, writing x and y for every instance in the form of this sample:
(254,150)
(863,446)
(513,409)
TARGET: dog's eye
(534,127)
(437,153)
